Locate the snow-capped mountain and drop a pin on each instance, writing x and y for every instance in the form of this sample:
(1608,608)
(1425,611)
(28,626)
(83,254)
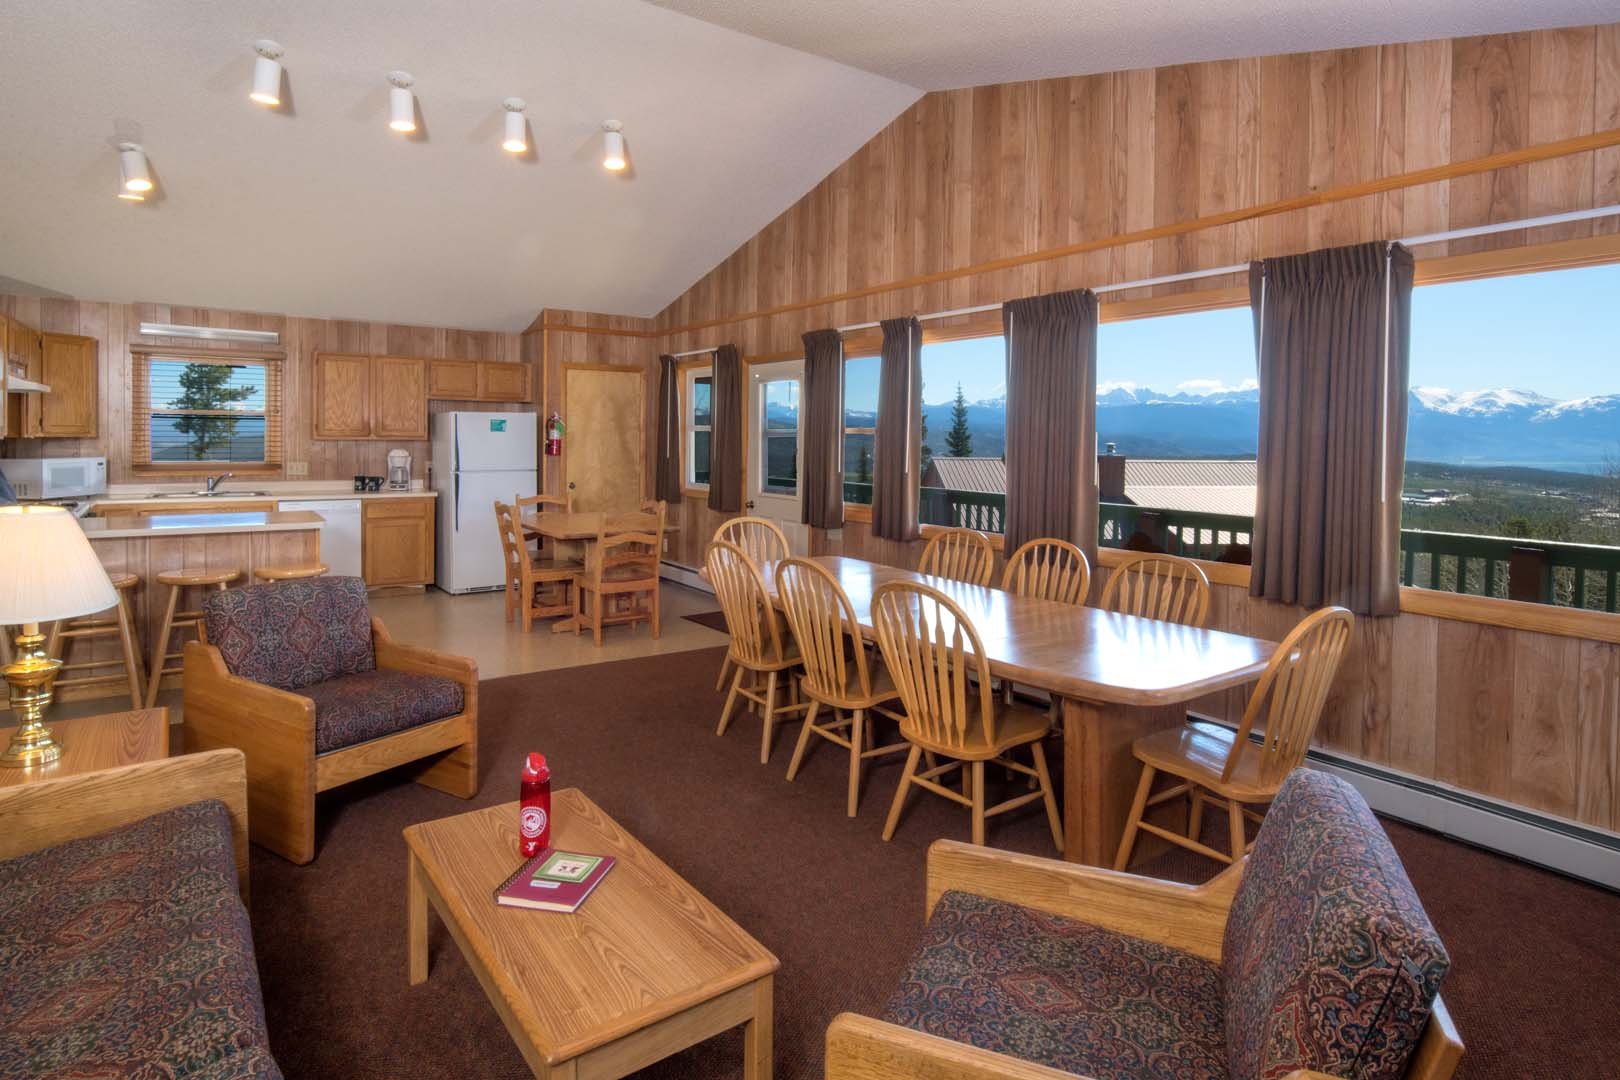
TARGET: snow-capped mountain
(1479,402)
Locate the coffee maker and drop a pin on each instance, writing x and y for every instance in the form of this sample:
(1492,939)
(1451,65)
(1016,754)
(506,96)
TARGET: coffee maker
(399,470)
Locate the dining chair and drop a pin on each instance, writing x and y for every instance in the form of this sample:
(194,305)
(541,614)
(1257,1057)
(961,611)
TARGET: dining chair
(1158,586)
(537,587)
(837,673)
(762,540)
(931,648)
(1214,763)
(959,554)
(540,504)
(760,642)
(622,567)
(1048,569)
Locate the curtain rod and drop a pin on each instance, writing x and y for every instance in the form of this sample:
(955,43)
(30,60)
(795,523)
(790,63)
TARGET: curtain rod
(692,352)
(1238,268)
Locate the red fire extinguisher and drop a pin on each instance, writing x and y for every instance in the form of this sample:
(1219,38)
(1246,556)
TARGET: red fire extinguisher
(554,434)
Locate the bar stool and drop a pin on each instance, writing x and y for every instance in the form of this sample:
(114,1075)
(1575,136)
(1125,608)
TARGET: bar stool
(289,573)
(174,620)
(121,626)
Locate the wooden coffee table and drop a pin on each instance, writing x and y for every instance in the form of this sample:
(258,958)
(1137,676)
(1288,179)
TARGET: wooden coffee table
(645,968)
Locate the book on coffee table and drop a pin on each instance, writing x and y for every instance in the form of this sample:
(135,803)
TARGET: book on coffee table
(554,881)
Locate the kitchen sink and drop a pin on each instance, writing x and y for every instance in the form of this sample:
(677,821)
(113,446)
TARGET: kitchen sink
(208,494)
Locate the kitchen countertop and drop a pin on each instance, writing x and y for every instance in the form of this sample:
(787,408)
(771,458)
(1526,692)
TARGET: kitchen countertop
(148,496)
(124,527)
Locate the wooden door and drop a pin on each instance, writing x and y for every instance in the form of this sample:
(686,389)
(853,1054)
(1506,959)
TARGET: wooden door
(342,396)
(604,412)
(396,546)
(502,382)
(67,364)
(399,407)
(453,380)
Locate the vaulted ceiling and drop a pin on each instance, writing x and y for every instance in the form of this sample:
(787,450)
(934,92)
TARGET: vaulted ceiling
(732,110)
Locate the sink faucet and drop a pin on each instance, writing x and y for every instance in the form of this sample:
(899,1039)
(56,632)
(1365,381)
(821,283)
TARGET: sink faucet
(215,481)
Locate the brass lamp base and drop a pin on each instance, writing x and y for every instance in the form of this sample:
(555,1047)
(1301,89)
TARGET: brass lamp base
(31,677)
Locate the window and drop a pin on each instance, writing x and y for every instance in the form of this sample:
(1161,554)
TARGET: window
(779,435)
(964,433)
(1512,479)
(1178,425)
(699,414)
(206,411)
(860,427)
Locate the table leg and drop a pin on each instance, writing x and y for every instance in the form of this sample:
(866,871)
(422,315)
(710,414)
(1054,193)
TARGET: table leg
(1100,774)
(569,549)
(757,1033)
(416,929)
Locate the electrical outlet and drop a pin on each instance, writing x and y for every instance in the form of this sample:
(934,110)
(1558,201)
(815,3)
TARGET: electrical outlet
(296,469)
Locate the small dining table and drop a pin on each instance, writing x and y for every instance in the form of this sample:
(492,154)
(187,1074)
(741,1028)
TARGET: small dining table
(573,536)
(1117,677)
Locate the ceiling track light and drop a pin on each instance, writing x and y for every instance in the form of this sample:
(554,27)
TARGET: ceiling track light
(267,74)
(516,139)
(135,178)
(401,102)
(613,159)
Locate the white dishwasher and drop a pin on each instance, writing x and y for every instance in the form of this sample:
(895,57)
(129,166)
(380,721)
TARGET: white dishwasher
(340,535)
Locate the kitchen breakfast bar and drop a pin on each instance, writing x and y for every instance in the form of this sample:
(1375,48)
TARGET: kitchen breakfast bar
(147,545)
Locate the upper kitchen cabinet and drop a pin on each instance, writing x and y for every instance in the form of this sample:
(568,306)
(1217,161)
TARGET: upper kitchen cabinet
(342,396)
(399,397)
(503,382)
(67,363)
(478,380)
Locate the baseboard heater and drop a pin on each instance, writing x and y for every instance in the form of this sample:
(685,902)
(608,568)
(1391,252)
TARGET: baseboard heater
(1545,840)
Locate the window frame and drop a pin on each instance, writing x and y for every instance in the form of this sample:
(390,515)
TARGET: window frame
(142,410)
(688,372)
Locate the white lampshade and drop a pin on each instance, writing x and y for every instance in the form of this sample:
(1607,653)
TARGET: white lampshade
(613,158)
(132,168)
(516,138)
(266,74)
(401,101)
(49,570)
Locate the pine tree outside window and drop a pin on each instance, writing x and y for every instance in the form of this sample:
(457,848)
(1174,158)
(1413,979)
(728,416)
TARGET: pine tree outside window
(193,413)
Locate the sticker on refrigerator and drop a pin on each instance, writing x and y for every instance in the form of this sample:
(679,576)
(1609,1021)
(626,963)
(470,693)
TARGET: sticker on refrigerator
(497,425)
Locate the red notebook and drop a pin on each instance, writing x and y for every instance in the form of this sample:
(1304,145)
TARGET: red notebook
(554,881)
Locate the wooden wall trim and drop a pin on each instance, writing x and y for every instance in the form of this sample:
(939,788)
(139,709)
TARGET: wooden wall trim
(1546,151)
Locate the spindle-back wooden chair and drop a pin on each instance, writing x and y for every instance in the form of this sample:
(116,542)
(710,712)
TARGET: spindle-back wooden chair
(760,645)
(1158,586)
(763,541)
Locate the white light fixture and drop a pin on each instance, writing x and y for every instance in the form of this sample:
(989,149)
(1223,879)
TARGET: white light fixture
(267,73)
(401,102)
(613,146)
(210,333)
(135,179)
(516,140)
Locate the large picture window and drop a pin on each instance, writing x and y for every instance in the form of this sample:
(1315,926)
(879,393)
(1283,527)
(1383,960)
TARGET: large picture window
(860,427)
(699,398)
(1178,425)
(192,412)
(964,433)
(1512,480)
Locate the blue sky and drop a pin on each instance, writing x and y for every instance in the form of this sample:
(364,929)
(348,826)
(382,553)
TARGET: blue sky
(1551,333)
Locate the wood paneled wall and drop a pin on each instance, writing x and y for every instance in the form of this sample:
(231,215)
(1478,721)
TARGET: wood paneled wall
(116,327)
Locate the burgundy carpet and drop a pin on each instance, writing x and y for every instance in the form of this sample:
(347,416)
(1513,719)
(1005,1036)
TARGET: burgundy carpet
(1536,957)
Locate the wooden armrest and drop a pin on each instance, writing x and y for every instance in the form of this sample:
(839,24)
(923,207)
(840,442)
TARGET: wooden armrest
(49,812)
(1191,918)
(213,691)
(860,1048)
(393,656)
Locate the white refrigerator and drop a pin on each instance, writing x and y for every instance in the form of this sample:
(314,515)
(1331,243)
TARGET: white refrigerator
(478,458)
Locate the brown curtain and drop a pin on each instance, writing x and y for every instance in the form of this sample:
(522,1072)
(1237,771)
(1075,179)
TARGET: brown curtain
(822,473)
(726,433)
(1052,419)
(667,467)
(1332,334)
(899,427)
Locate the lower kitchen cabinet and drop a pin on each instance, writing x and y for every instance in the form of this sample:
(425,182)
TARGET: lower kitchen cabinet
(397,542)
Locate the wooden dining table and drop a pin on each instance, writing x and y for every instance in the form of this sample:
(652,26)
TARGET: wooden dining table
(573,536)
(1117,677)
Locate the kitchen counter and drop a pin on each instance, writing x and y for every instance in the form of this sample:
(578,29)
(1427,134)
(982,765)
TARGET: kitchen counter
(134,495)
(124,527)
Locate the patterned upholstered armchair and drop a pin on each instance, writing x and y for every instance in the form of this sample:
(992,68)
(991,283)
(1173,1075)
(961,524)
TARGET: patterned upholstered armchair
(1317,962)
(314,692)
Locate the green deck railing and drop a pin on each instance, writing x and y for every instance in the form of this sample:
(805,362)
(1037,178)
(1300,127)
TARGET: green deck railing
(1537,571)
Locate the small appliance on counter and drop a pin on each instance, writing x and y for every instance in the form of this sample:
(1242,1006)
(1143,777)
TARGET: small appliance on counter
(55,478)
(399,470)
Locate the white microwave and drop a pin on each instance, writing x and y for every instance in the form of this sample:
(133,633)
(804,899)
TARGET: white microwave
(55,478)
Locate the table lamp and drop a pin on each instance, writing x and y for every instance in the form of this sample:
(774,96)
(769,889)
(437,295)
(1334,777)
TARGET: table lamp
(48,571)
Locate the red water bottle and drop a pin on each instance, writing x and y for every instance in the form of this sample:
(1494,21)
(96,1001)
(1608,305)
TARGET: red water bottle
(534,819)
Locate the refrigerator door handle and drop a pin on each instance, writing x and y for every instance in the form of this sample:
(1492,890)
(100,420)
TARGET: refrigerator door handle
(458,502)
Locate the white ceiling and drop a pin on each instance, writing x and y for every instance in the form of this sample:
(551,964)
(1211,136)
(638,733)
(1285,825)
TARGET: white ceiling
(321,210)
(943,44)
